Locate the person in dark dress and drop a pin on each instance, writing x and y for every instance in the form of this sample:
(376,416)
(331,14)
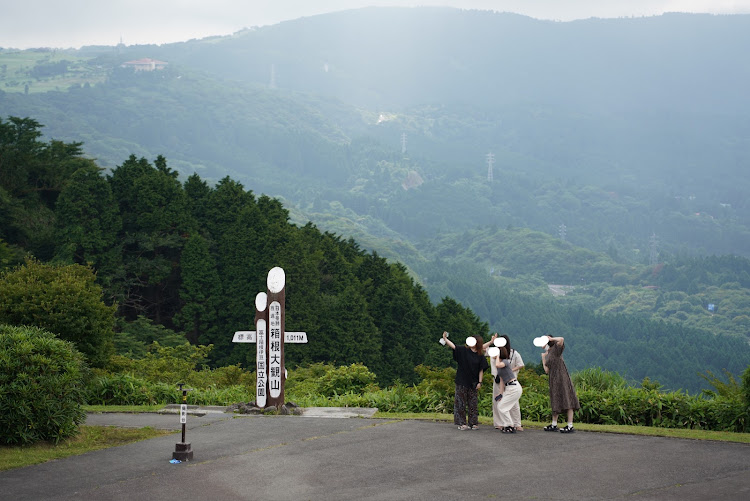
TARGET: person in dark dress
(471,366)
(562,394)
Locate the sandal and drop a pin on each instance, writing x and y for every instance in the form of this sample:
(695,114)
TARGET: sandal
(509,429)
(551,427)
(567,429)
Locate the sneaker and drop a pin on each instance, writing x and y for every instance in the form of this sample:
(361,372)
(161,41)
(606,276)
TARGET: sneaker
(463,427)
(475,427)
(567,429)
(551,427)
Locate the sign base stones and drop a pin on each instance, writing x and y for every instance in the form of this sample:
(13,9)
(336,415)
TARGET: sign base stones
(183,452)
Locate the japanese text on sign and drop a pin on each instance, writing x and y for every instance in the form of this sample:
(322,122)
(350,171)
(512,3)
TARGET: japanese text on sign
(274,349)
(260,364)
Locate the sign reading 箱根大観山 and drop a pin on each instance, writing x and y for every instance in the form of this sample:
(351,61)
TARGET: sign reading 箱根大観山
(269,336)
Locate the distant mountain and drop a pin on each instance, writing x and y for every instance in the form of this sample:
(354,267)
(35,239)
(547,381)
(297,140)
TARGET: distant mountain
(628,138)
(494,154)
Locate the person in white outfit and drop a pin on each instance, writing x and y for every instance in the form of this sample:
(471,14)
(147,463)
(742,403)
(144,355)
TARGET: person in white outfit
(510,395)
(516,364)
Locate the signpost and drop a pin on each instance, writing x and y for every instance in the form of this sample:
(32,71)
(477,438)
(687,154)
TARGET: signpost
(269,337)
(183,451)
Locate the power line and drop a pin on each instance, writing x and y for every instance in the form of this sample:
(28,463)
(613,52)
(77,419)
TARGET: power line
(653,247)
(490,161)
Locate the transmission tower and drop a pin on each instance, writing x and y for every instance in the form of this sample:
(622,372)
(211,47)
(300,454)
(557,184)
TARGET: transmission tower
(403,143)
(653,247)
(563,231)
(490,161)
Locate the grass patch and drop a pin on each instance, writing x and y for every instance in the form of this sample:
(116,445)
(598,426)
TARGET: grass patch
(16,70)
(651,431)
(89,438)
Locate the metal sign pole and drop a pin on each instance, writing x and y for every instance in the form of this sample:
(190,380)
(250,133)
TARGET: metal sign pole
(183,451)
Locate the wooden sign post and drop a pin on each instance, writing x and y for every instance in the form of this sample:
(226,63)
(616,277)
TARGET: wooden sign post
(270,336)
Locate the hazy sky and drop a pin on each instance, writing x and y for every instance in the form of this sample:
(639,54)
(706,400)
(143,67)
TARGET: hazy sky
(73,23)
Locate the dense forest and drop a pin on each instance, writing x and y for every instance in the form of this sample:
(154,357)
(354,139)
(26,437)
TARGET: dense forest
(189,257)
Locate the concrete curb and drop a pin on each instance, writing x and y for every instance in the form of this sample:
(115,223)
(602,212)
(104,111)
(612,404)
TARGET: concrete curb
(318,412)
(339,412)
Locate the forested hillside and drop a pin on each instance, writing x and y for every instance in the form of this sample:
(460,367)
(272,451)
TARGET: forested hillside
(587,125)
(190,257)
(618,151)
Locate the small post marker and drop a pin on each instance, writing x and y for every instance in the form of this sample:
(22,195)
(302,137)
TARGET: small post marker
(183,450)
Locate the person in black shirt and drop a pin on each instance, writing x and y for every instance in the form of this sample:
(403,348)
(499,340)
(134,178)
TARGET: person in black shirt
(471,366)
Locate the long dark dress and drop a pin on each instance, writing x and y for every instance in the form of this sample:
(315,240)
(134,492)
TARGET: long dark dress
(562,394)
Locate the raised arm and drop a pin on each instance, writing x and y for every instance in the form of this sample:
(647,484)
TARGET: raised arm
(488,343)
(557,340)
(448,341)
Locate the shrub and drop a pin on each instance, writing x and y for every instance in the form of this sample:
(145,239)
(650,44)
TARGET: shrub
(125,389)
(41,386)
(163,364)
(133,338)
(346,379)
(64,300)
(328,380)
(746,386)
(596,378)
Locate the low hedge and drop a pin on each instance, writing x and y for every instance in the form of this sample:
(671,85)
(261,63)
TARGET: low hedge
(604,398)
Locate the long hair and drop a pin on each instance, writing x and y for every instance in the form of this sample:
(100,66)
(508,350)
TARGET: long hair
(480,343)
(507,341)
(504,353)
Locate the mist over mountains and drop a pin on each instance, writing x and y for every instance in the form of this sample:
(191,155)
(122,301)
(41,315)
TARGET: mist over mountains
(614,145)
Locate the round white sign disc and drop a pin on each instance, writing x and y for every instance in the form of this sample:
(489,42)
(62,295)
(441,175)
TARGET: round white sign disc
(276,280)
(261,301)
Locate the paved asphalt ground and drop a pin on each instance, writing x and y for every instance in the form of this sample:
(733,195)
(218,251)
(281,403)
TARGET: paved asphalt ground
(322,458)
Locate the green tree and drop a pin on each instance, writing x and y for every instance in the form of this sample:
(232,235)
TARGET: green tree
(88,223)
(153,210)
(65,300)
(200,290)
